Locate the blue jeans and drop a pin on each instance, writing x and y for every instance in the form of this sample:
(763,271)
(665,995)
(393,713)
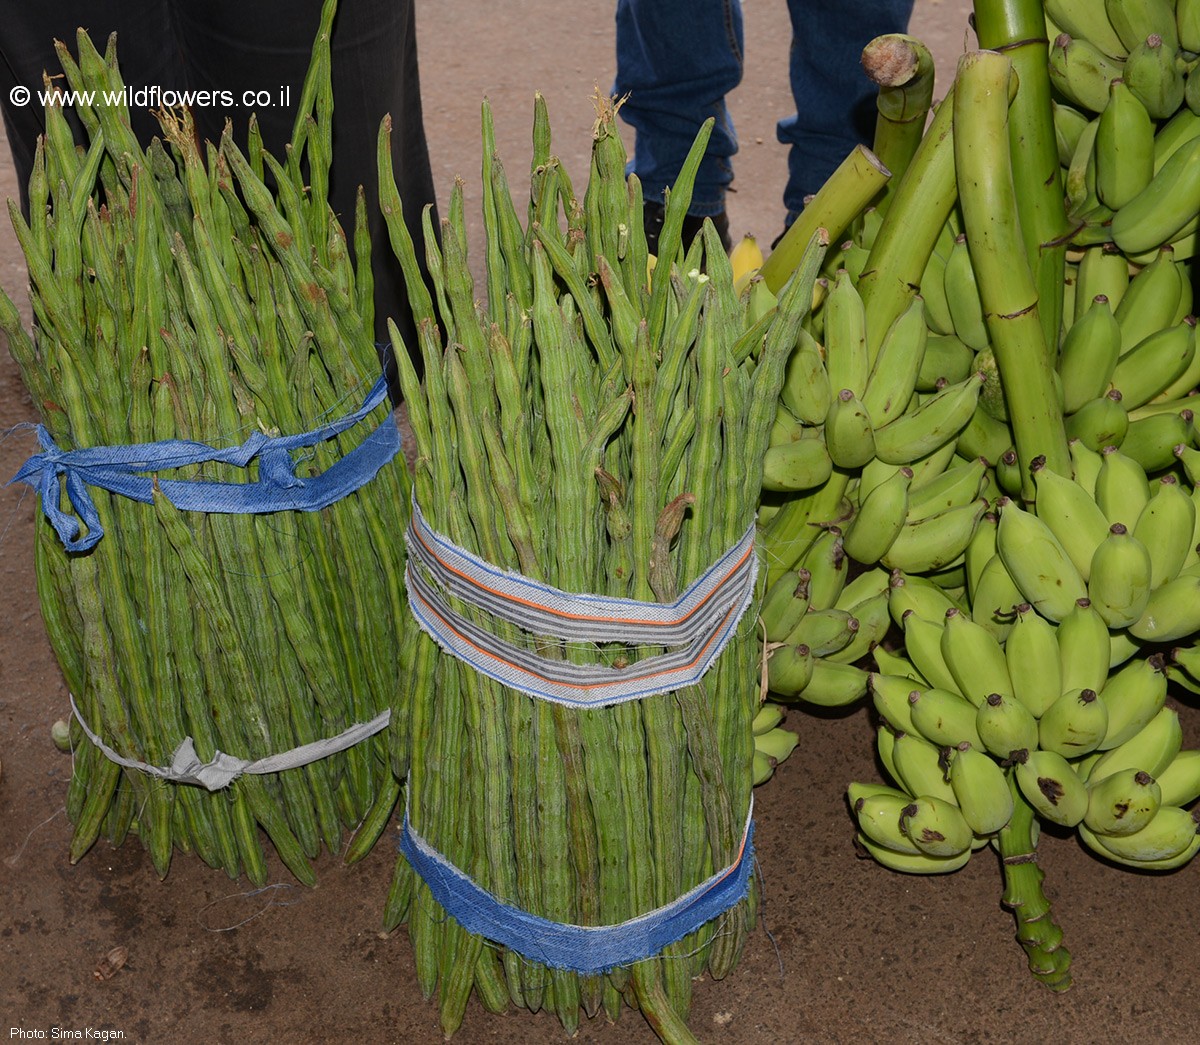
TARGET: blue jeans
(678,59)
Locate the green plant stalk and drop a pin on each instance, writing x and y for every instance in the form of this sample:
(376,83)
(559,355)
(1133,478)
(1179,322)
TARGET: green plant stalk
(903,69)
(918,211)
(1038,933)
(1018,29)
(848,192)
(1006,287)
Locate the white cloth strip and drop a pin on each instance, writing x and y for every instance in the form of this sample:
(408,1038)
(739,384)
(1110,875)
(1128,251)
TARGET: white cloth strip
(222,769)
(559,681)
(545,610)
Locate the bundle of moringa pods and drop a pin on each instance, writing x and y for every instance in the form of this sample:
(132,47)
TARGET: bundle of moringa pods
(590,430)
(204,367)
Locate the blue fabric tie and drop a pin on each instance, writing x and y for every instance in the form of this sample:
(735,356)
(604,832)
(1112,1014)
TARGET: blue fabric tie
(278,488)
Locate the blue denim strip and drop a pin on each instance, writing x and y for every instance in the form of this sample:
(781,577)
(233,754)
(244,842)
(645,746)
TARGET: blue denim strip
(278,488)
(582,948)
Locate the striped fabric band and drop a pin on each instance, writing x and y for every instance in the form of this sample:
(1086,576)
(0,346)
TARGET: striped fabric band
(582,948)
(705,616)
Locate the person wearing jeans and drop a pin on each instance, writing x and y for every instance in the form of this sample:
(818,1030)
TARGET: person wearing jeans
(677,60)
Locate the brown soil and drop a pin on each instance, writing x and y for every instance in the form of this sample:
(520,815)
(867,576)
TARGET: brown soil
(854,952)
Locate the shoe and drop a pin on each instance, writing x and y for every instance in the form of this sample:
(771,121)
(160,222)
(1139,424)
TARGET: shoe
(654,213)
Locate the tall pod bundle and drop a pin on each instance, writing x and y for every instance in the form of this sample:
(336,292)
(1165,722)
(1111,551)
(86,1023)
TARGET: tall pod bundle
(584,427)
(176,297)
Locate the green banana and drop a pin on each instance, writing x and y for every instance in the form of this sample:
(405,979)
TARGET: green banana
(1179,783)
(942,717)
(846,359)
(1152,441)
(907,863)
(1070,513)
(785,428)
(996,600)
(936,826)
(984,437)
(889,663)
(1008,473)
(919,595)
(1150,300)
(1169,841)
(1079,183)
(828,568)
(975,658)
(878,816)
(1172,612)
(921,767)
(1074,724)
(1038,563)
(864,588)
(923,644)
(1133,696)
(1086,19)
(849,435)
(981,790)
(768,717)
(1089,355)
(1151,749)
(962,484)
(801,465)
(1005,726)
(931,426)
(1051,786)
(1158,213)
(1165,527)
(931,465)
(1100,422)
(789,670)
(834,685)
(1085,464)
(1187,21)
(879,519)
(777,744)
(761,769)
(933,296)
(931,543)
(1134,20)
(806,391)
(1122,803)
(784,604)
(885,748)
(890,697)
(823,631)
(962,297)
(1122,489)
(980,552)
(1068,126)
(1154,363)
(1119,578)
(1034,665)
(1180,128)
(1084,648)
(1124,147)
(894,371)
(1154,77)
(874,623)
(1103,270)
(946,361)
(1081,72)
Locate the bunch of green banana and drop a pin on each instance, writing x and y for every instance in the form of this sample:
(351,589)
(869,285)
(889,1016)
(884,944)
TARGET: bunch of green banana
(772,743)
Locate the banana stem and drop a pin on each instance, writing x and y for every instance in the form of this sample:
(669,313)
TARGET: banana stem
(1037,932)
(1018,29)
(902,67)
(919,209)
(837,203)
(988,198)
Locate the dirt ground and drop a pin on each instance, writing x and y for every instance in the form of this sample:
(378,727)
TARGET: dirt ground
(854,953)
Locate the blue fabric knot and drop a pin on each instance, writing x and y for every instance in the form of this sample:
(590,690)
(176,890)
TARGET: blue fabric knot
(117,469)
